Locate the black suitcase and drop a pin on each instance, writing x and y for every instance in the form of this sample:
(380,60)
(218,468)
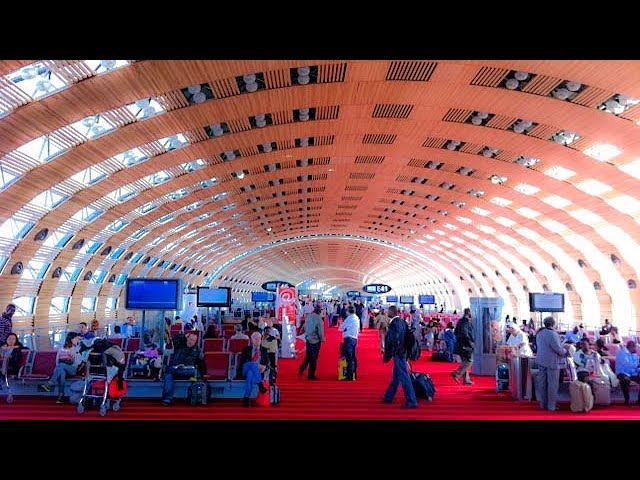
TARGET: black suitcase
(440,356)
(423,385)
(198,393)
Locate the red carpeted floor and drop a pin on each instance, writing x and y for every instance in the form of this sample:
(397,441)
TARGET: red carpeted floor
(329,399)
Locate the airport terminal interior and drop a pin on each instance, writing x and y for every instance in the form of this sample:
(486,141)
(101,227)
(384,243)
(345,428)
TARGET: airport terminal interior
(249,192)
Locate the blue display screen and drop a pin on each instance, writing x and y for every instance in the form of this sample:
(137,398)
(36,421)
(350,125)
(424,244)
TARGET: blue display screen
(153,294)
(427,299)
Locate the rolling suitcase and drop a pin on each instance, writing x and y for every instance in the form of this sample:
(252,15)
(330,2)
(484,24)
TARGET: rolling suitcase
(502,377)
(423,385)
(440,356)
(198,393)
(342,368)
(274,394)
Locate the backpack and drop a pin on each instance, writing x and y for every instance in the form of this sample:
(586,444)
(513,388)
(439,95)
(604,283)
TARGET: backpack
(412,346)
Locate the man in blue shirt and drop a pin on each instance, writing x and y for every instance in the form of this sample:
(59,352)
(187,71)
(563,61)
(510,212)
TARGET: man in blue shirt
(350,328)
(85,332)
(627,368)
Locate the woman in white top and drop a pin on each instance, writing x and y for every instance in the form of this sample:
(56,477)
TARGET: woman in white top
(519,340)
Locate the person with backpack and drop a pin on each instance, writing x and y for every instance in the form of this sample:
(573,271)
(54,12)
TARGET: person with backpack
(396,347)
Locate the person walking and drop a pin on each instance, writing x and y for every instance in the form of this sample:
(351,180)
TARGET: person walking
(551,358)
(395,348)
(314,332)
(350,328)
(464,347)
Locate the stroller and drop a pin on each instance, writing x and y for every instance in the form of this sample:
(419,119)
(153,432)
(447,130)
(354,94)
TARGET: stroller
(102,366)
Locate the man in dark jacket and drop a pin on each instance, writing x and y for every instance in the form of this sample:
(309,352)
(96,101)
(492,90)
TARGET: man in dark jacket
(395,347)
(254,360)
(464,347)
(314,335)
(186,362)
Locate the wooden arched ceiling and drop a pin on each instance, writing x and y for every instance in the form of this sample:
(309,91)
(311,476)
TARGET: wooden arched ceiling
(378,170)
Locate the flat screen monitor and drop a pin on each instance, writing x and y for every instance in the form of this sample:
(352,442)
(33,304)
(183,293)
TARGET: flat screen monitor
(392,299)
(427,299)
(153,294)
(260,296)
(406,299)
(214,297)
(546,302)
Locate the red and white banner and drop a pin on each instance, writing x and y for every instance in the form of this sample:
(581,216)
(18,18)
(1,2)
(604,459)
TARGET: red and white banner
(286,304)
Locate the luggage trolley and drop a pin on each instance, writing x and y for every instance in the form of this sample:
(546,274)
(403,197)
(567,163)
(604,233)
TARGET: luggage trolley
(98,375)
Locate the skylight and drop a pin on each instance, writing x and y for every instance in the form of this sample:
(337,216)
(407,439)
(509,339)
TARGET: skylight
(632,168)
(145,108)
(480,211)
(92,126)
(603,152)
(89,176)
(554,226)
(626,204)
(508,239)
(15,229)
(105,66)
(158,178)
(37,80)
(49,199)
(507,222)
(486,228)
(526,189)
(556,201)
(559,173)
(464,219)
(586,216)
(527,212)
(194,165)
(174,141)
(118,225)
(593,187)
(131,157)
(6,177)
(503,202)
(42,149)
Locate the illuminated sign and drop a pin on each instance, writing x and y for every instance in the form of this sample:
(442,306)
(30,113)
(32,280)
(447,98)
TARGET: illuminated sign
(353,293)
(377,288)
(273,285)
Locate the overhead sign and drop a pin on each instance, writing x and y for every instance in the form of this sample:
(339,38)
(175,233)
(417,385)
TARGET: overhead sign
(273,285)
(353,293)
(377,288)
